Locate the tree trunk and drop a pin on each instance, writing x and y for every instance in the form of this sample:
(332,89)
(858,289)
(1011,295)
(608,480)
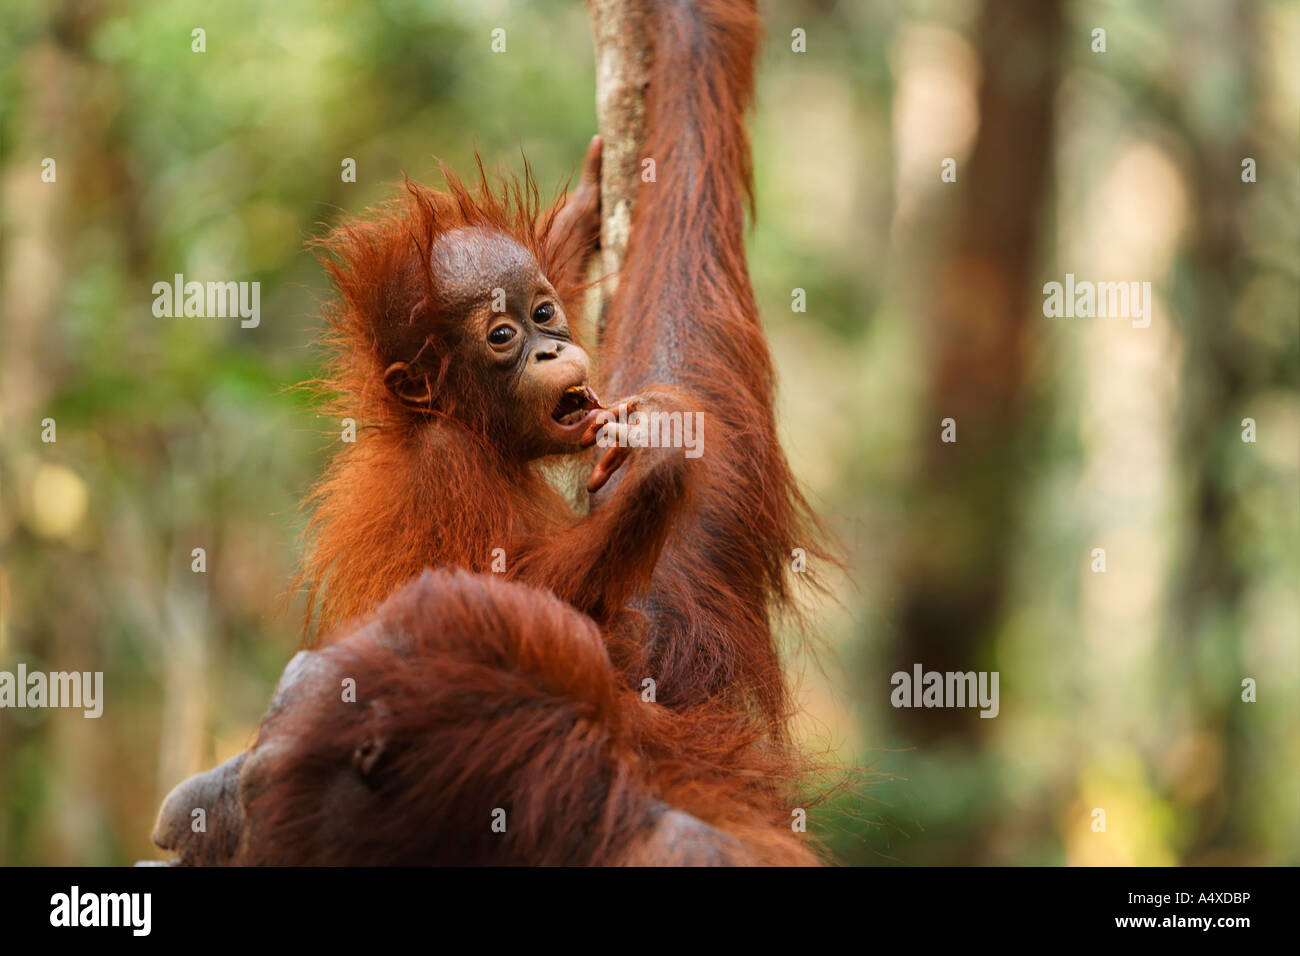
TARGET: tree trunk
(978,326)
(620,31)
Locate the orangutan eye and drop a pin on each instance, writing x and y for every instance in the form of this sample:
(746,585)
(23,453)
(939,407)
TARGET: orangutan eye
(501,335)
(544,313)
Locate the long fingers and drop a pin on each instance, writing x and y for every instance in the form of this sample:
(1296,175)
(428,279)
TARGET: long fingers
(591,165)
(615,413)
(608,464)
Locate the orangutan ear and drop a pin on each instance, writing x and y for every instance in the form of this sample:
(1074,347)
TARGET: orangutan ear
(372,748)
(409,388)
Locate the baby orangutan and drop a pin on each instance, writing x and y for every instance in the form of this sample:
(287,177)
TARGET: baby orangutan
(454,341)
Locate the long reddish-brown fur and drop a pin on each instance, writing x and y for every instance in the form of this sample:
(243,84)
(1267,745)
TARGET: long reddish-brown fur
(678,572)
(486,696)
(685,314)
(414,493)
(408,497)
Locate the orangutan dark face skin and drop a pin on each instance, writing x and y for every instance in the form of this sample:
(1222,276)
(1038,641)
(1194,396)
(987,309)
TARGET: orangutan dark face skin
(224,791)
(515,335)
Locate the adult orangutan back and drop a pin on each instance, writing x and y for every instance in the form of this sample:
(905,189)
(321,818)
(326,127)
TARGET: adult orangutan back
(475,721)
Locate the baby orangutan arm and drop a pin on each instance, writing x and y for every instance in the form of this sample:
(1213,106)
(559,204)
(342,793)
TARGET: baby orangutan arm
(598,563)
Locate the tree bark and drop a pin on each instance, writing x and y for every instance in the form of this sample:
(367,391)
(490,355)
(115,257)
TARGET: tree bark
(620,29)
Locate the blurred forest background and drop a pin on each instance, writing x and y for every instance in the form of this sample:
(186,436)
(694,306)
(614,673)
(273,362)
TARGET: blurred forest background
(1120,690)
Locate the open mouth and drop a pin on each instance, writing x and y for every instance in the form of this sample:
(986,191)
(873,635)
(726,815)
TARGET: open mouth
(577,402)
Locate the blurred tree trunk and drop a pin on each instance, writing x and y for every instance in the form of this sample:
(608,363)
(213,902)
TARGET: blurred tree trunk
(982,314)
(1216,381)
(60,617)
(75,121)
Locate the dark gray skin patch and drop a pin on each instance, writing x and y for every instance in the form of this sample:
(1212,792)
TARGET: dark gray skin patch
(216,792)
(470,263)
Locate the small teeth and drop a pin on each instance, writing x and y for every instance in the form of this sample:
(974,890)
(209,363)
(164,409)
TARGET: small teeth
(586,402)
(585,392)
